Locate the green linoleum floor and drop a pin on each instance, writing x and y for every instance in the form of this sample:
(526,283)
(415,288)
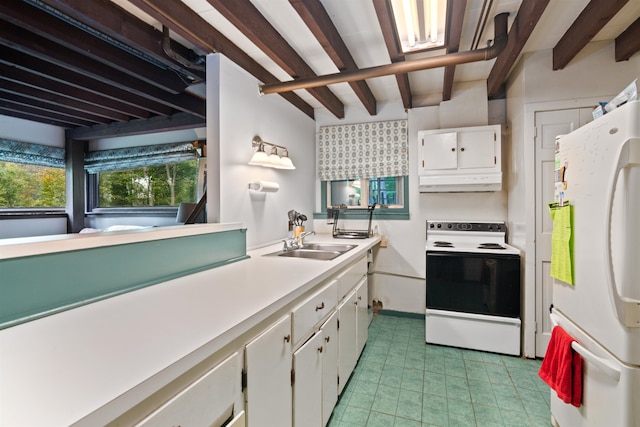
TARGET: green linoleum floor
(401,381)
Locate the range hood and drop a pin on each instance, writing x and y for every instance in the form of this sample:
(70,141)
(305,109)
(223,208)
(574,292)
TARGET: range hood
(461,183)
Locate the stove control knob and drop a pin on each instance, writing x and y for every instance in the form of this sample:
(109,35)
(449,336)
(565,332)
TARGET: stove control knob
(490,226)
(430,225)
(449,225)
(439,225)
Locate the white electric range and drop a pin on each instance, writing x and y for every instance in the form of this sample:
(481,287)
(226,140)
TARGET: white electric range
(472,287)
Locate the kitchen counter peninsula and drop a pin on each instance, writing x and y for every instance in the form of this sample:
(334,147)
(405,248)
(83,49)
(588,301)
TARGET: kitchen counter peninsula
(93,363)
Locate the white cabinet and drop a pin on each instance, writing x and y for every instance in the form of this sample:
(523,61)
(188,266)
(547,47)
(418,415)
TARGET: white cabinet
(464,159)
(313,310)
(208,401)
(329,366)
(362,315)
(347,333)
(307,383)
(268,371)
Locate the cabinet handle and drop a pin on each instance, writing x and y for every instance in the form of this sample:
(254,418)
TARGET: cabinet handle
(453,149)
(287,338)
(360,298)
(320,307)
(462,149)
(327,339)
(320,349)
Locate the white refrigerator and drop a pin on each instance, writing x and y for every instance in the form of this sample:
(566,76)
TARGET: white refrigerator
(600,176)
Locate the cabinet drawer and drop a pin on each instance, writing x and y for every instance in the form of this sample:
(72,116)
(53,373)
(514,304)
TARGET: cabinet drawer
(309,313)
(208,401)
(350,277)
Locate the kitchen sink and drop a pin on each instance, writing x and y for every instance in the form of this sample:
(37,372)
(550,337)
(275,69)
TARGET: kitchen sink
(328,247)
(320,251)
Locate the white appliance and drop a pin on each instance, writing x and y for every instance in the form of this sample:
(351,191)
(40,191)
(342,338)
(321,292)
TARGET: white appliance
(472,287)
(601,181)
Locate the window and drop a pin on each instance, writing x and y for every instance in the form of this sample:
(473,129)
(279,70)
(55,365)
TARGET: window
(364,192)
(31,186)
(163,185)
(160,175)
(388,192)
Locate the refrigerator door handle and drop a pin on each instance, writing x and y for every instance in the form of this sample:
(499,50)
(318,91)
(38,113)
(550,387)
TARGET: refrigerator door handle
(604,365)
(627,309)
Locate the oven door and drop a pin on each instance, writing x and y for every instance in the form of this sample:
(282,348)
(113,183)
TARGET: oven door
(477,283)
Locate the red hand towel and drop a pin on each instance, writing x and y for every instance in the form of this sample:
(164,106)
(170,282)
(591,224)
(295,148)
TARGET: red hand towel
(561,368)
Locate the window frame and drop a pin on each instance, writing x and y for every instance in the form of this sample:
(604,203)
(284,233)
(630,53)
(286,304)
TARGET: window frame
(394,212)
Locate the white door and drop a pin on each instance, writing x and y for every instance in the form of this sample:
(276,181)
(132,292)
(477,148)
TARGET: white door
(268,366)
(307,386)
(549,124)
(329,367)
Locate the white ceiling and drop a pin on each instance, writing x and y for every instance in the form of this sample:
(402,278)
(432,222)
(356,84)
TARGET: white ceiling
(358,25)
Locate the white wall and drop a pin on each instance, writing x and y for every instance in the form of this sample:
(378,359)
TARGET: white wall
(399,282)
(28,131)
(236,112)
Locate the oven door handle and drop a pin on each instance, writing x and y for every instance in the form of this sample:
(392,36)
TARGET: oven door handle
(601,363)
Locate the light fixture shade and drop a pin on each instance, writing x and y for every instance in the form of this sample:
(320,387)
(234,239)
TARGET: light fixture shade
(285,163)
(260,158)
(274,159)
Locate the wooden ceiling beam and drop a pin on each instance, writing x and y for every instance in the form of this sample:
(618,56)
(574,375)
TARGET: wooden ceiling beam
(628,43)
(108,18)
(84,43)
(525,21)
(384,12)
(35,118)
(317,19)
(23,40)
(248,19)
(40,103)
(590,21)
(455,21)
(184,21)
(178,121)
(60,102)
(37,113)
(107,96)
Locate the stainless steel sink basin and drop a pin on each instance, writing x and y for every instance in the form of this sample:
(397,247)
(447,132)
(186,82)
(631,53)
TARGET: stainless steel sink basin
(320,251)
(328,247)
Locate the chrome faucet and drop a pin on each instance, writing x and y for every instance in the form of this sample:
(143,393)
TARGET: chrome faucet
(300,240)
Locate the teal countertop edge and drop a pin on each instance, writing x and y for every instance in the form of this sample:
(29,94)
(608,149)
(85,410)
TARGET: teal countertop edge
(36,286)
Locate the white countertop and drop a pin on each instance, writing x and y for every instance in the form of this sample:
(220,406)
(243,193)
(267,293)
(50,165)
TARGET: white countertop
(61,368)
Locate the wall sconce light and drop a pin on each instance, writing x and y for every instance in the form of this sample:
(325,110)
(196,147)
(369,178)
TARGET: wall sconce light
(274,159)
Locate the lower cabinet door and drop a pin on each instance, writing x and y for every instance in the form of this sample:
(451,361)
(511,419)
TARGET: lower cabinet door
(268,369)
(347,339)
(362,314)
(329,367)
(209,401)
(307,385)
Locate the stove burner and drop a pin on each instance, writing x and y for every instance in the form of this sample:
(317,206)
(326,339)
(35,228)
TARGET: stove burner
(440,244)
(490,246)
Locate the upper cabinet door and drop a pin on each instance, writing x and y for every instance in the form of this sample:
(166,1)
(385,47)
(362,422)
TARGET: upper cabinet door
(440,151)
(477,149)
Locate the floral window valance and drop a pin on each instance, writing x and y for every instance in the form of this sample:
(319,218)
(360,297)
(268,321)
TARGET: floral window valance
(31,154)
(363,150)
(133,157)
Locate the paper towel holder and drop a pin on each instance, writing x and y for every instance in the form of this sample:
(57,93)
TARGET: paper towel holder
(264,186)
